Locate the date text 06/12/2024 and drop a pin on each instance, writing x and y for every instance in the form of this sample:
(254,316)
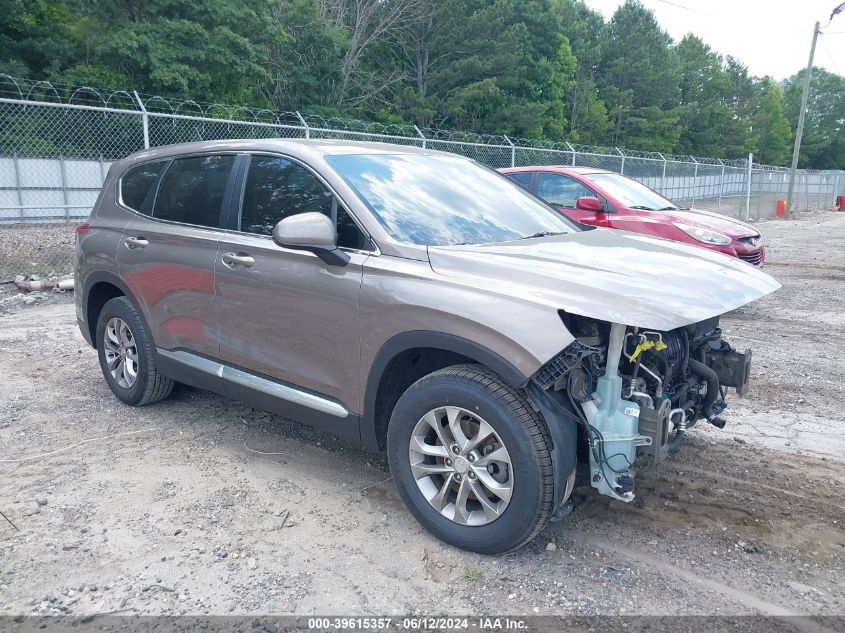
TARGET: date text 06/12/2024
(418,623)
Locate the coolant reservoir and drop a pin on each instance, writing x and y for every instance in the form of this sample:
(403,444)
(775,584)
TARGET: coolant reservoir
(618,421)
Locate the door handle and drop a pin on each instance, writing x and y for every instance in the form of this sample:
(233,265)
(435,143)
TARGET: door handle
(238,259)
(133,243)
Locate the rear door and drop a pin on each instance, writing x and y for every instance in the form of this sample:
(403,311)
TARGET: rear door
(168,250)
(285,313)
(523,178)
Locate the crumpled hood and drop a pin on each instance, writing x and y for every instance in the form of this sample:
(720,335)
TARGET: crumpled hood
(610,275)
(713,221)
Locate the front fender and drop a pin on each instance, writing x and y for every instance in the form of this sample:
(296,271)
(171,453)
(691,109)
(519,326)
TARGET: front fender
(433,340)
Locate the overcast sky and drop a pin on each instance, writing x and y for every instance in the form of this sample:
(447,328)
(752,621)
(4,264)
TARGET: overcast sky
(771,37)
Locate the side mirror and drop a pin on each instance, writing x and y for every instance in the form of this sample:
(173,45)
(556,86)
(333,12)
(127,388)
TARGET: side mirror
(312,232)
(589,203)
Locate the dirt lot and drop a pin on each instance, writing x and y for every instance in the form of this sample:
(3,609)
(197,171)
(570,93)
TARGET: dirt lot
(205,506)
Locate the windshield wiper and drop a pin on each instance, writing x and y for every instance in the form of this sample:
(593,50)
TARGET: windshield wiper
(668,209)
(639,206)
(542,234)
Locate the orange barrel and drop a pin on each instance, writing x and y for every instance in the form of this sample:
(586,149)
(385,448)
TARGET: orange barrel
(780,208)
(840,203)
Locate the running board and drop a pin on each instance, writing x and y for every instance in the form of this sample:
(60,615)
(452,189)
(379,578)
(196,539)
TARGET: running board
(266,386)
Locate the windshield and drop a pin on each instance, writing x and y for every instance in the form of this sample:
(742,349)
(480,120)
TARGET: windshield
(631,193)
(441,200)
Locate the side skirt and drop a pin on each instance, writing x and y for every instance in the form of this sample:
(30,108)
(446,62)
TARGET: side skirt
(261,392)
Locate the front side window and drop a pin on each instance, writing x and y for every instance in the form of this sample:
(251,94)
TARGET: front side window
(192,191)
(560,190)
(137,183)
(277,188)
(444,200)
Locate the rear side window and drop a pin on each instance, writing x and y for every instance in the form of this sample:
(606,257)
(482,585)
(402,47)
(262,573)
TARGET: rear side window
(523,178)
(561,191)
(192,191)
(277,188)
(136,184)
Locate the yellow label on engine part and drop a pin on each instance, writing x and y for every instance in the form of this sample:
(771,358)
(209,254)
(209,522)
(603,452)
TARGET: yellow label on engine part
(645,346)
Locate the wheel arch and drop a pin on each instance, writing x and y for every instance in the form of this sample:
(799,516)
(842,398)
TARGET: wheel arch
(99,288)
(408,356)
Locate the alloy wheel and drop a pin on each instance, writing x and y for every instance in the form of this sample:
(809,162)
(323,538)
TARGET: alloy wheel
(461,466)
(121,352)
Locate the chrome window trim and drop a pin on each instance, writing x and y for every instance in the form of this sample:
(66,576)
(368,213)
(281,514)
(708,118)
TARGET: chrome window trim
(169,159)
(119,189)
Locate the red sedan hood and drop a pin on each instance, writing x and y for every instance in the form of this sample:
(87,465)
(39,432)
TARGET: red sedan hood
(713,221)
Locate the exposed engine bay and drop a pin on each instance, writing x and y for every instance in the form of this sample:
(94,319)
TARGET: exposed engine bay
(639,390)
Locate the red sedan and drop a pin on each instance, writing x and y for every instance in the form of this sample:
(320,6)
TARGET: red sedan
(604,198)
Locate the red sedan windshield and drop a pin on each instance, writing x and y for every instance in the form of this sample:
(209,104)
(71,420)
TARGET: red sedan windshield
(631,193)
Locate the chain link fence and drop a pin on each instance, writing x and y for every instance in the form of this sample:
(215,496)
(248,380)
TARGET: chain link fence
(57,143)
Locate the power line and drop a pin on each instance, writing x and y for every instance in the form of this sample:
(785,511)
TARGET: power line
(832,62)
(680,6)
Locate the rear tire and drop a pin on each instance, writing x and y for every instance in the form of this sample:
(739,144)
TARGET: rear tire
(443,485)
(127,355)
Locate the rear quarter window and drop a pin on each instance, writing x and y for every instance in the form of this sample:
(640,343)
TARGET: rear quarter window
(137,183)
(523,178)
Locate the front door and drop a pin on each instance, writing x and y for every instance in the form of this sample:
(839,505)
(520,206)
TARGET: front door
(285,314)
(563,192)
(168,251)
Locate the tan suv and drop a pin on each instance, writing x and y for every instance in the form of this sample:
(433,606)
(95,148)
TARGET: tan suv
(413,301)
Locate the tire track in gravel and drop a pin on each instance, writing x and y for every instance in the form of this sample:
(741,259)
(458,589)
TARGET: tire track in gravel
(698,581)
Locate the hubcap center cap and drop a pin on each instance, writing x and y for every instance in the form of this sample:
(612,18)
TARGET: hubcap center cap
(461,466)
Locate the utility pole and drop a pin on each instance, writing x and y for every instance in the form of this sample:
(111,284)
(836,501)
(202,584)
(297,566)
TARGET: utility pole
(800,131)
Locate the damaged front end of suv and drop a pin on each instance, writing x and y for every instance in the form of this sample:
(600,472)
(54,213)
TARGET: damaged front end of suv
(638,390)
(638,356)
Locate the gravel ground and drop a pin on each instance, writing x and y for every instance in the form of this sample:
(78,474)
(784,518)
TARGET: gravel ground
(210,507)
(41,249)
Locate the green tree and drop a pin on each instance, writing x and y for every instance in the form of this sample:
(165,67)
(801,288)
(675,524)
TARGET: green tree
(823,141)
(550,69)
(770,128)
(497,66)
(305,65)
(215,50)
(706,113)
(37,37)
(640,80)
(588,119)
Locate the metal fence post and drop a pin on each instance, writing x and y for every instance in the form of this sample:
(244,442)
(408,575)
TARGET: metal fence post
(513,150)
(572,150)
(807,188)
(102,170)
(663,177)
(622,166)
(422,136)
(748,187)
(18,183)
(304,124)
(64,187)
(694,180)
(721,184)
(145,120)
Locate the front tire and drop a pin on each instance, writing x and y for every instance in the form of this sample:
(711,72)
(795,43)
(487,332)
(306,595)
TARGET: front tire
(127,357)
(472,460)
